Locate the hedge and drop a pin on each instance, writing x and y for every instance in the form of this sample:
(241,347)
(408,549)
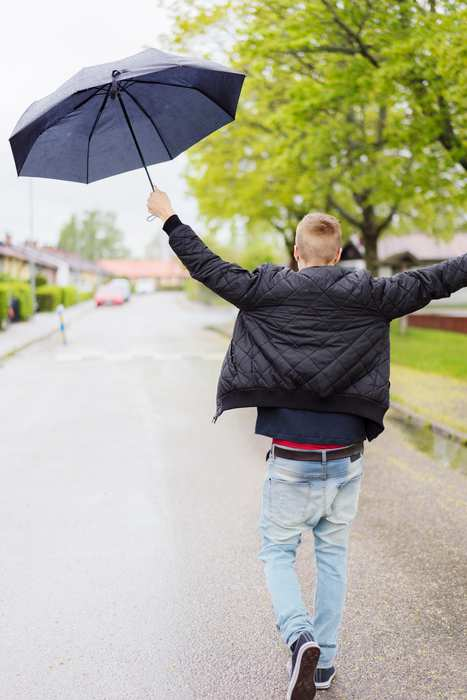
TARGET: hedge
(4,299)
(21,291)
(48,297)
(69,296)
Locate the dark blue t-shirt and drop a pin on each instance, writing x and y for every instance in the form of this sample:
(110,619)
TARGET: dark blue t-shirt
(300,425)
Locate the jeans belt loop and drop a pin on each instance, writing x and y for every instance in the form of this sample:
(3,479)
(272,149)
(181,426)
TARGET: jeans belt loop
(325,459)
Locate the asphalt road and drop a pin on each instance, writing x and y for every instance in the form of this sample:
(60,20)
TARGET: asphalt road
(129,541)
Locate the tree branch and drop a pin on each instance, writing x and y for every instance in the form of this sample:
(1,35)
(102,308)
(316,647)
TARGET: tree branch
(384,223)
(345,215)
(364,49)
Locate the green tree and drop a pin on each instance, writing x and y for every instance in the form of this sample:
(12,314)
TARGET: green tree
(353,107)
(95,237)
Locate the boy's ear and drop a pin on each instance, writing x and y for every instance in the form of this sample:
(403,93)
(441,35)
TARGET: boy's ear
(295,252)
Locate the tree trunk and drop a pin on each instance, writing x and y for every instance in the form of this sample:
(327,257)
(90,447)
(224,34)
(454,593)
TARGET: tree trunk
(370,240)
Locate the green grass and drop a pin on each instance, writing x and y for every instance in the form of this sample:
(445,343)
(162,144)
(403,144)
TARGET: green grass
(440,352)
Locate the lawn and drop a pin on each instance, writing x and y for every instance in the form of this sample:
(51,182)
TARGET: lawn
(439,352)
(429,374)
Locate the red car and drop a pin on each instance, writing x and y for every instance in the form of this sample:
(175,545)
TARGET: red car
(109,294)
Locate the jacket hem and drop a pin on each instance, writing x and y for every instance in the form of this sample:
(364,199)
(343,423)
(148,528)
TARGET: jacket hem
(338,403)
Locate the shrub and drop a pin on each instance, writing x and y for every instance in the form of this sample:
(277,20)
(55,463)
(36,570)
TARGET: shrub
(84,296)
(4,301)
(41,280)
(69,296)
(48,297)
(23,293)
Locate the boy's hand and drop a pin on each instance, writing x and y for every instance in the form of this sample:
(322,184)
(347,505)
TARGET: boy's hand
(159,204)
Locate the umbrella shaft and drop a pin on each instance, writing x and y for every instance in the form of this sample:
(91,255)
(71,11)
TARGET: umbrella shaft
(130,126)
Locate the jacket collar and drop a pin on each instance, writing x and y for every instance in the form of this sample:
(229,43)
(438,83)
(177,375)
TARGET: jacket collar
(336,270)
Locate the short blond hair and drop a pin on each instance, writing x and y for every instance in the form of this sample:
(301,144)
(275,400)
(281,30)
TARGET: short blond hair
(318,237)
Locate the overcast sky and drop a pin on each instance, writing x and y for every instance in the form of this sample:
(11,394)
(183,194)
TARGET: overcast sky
(43,44)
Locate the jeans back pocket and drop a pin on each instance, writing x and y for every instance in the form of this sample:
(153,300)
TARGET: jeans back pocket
(288,500)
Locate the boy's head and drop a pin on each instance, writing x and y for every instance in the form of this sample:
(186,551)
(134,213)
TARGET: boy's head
(318,240)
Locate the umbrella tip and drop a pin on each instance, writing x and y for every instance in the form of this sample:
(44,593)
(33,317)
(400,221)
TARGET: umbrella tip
(115,89)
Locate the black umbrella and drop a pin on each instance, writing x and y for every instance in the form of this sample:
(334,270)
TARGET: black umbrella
(109,119)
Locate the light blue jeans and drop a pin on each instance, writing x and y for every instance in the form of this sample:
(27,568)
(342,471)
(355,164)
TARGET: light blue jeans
(297,496)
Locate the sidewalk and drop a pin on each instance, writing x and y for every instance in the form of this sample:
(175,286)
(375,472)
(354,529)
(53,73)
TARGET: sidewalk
(40,326)
(421,397)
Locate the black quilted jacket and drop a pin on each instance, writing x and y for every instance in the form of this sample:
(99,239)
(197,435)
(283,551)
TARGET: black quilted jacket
(317,338)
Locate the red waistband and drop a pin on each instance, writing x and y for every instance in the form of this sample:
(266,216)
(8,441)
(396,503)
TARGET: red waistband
(305,445)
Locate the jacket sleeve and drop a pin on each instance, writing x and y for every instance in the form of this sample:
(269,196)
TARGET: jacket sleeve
(231,282)
(411,290)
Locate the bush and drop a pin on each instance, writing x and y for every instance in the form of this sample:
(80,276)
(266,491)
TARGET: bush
(84,296)
(48,297)
(4,302)
(23,293)
(41,280)
(69,296)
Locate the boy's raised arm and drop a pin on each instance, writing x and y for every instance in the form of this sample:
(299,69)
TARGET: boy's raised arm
(230,281)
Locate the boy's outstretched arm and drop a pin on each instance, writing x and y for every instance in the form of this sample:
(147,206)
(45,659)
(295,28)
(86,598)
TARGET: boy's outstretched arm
(232,282)
(411,290)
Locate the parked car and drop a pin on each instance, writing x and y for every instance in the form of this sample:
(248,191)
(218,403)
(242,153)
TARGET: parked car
(124,285)
(110,293)
(145,285)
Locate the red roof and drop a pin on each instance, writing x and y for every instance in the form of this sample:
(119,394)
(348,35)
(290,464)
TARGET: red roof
(138,269)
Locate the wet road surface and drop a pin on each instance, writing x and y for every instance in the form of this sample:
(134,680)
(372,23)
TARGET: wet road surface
(129,541)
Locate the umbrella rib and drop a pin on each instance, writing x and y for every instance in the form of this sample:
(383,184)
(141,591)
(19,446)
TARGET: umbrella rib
(185,87)
(89,97)
(146,113)
(91,133)
(138,148)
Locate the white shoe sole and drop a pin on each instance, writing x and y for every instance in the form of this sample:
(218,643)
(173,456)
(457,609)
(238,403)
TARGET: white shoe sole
(304,688)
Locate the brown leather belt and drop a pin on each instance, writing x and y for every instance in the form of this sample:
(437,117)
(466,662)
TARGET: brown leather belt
(353,451)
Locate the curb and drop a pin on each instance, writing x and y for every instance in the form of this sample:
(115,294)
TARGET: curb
(44,336)
(409,416)
(423,422)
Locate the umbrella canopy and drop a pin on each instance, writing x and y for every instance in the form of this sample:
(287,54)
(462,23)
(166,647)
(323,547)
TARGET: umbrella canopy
(112,118)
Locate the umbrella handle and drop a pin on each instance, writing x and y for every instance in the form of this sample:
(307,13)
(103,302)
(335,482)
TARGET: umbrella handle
(151,217)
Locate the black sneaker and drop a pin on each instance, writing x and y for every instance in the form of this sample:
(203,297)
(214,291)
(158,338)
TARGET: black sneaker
(323,677)
(301,667)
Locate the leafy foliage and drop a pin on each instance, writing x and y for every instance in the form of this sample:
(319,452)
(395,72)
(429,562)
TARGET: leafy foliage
(351,107)
(4,302)
(22,292)
(69,296)
(40,280)
(95,237)
(48,297)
